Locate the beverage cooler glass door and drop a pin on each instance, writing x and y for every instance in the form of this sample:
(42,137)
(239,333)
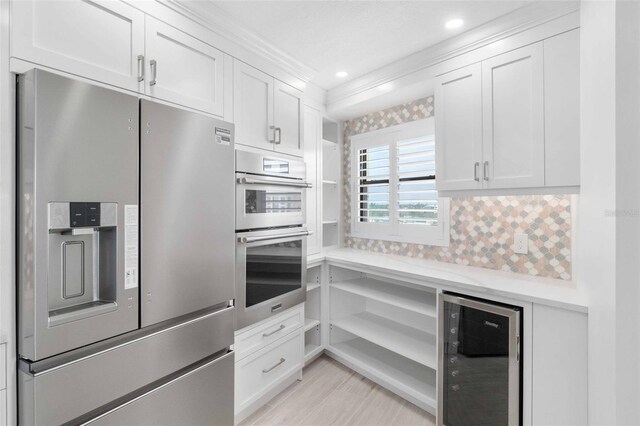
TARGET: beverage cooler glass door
(480,368)
(271,273)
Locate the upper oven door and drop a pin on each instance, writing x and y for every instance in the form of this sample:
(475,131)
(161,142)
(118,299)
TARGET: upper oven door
(270,273)
(266,202)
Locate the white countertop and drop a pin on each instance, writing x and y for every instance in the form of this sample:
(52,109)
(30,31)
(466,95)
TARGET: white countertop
(552,292)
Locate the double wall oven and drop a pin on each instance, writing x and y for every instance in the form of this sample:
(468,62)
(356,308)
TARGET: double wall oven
(271,238)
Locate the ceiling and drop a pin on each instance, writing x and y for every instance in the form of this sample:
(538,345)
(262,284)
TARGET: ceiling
(357,36)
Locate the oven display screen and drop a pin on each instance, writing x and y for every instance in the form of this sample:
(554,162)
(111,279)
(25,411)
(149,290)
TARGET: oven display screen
(272,165)
(272,201)
(273,270)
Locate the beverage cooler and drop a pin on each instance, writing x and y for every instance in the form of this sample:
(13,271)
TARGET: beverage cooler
(480,374)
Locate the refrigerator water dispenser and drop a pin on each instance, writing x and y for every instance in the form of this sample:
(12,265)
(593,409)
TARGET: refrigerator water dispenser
(82,260)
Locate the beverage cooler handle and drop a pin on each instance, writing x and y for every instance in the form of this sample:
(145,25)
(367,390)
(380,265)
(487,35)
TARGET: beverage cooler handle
(246,240)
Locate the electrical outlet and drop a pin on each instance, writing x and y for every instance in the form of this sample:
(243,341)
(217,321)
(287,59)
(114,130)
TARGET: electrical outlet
(521,243)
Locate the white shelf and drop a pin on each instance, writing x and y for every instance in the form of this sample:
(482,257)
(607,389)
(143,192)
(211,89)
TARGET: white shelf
(329,182)
(311,350)
(409,342)
(310,323)
(329,143)
(407,378)
(312,286)
(329,222)
(418,301)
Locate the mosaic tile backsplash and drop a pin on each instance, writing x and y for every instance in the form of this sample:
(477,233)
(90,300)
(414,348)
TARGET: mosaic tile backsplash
(481,228)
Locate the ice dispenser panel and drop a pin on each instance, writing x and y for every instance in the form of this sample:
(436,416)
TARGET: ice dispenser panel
(82,260)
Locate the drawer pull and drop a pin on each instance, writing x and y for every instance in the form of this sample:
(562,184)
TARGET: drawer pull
(282,327)
(269,369)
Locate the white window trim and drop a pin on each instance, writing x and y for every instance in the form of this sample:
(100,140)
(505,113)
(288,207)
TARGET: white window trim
(392,231)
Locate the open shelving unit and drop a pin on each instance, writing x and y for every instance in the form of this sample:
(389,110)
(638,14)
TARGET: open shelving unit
(312,322)
(386,331)
(331,183)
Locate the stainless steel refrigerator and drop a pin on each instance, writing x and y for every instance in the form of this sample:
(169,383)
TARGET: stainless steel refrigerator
(125,233)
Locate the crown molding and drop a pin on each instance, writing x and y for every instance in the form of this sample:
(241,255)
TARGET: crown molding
(500,28)
(223,24)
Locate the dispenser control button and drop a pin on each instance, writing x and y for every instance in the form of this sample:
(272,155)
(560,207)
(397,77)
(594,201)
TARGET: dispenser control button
(93,208)
(78,214)
(84,214)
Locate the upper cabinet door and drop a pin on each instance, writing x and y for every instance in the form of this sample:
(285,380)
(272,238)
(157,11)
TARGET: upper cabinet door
(288,120)
(562,109)
(458,129)
(253,106)
(100,40)
(513,115)
(183,69)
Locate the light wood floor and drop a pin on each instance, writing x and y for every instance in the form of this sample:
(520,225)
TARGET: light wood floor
(332,394)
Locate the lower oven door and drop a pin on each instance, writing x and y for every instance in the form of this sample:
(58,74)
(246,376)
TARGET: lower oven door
(480,375)
(266,201)
(271,271)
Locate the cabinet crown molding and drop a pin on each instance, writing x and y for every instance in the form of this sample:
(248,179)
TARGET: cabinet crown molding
(219,21)
(520,20)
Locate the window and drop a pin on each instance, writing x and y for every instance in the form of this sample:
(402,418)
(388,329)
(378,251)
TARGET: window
(394,186)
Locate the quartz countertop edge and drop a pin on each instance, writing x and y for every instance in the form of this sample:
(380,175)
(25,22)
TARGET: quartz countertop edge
(453,277)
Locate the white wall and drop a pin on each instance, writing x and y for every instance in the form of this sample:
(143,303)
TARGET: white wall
(609,224)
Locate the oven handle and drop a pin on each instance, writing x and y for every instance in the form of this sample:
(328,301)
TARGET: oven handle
(245,181)
(245,240)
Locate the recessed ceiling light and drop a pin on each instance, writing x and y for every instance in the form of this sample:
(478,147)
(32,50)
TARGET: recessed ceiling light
(454,23)
(342,74)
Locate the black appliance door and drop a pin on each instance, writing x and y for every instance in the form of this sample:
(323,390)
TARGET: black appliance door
(480,367)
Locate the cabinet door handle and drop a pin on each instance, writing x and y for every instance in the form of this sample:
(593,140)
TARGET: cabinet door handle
(266,370)
(154,72)
(282,327)
(140,68)
(274,134)
(278,139)
(476,168)
(485,170)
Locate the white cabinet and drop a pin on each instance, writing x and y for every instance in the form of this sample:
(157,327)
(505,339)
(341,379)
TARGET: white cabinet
(562,109)
(252,106)
(269,357)
(100,40)
(458,99)
(182,69)
(267,113)
(287,118)
(513,119)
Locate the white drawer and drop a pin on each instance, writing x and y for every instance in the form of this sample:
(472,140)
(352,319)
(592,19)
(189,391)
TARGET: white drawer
(259,372)
(257,337)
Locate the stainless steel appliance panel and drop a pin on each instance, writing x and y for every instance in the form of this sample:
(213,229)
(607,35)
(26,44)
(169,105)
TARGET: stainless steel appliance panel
(480,374)
(77,143)
(187,212)
(203,396)
(271,268)
(270,191)
(93,377)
